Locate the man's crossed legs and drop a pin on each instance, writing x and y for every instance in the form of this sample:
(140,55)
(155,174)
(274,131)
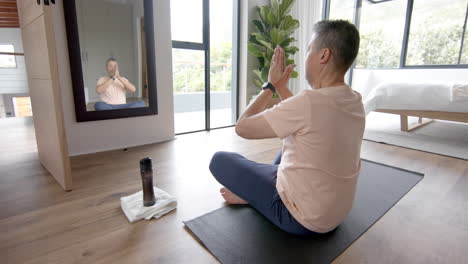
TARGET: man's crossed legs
(248,182)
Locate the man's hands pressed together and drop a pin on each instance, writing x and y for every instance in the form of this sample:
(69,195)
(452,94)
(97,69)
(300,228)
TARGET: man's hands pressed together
(280,74)
(127,85)
(116,71)
(252,124)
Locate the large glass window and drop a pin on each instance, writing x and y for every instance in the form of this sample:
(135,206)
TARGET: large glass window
(342,9)
(435,32)
(187,20)
(188,68)
(7,61)
(222,94)
(429,34)
(204,75)
(381,27)
(22,106)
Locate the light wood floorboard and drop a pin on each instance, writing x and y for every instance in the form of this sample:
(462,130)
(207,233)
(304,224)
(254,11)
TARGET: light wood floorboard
(40,223)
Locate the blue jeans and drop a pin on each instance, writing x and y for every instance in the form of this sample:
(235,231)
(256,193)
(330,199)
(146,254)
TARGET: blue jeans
(256,184)
(105,106)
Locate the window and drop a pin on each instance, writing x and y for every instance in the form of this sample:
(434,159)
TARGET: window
(381,27)
(204,63)
(189,70)
(7,61)
(342,9)
(187,20)
(189,89)
(22,106)
(436,32)
(407,33)
(223,110)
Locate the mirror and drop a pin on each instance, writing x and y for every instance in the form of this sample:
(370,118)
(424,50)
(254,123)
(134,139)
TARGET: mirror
(111,48)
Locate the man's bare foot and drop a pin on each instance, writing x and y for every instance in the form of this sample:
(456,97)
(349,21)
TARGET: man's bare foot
(230,197)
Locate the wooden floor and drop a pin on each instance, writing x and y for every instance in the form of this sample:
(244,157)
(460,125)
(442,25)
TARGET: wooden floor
(40,223)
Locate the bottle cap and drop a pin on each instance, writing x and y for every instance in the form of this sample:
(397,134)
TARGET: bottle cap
(146,164)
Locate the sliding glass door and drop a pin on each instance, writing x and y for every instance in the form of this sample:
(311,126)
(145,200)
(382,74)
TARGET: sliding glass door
(204,40)
(223,66)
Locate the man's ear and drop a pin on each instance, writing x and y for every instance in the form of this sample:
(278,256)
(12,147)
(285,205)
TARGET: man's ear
(325,55)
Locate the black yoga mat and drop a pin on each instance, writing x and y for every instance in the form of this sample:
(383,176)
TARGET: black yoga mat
(238,234)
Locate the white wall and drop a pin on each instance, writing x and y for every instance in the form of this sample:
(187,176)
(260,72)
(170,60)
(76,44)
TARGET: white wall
(13,80)
(365,80)
(90,137)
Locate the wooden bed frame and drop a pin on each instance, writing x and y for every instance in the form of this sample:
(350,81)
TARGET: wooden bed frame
(431,115)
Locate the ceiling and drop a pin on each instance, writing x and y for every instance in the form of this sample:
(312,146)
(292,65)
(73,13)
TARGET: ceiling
(9,14)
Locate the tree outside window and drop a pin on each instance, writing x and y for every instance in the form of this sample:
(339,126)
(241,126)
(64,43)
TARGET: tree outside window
(434,38)
(381,28)
(435,32)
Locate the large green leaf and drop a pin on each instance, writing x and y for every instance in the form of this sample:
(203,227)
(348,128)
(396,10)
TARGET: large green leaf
(289,24)
(285,7)
(258,24)
(266,44)
(275,11)
(277,36)
(263,41)
(261,62)
(285,22)
(265,74)
(291,27)
(288,62)
(258,73)
(253,39)
(291,50)
(269,54)
(259,12)
(256,50)
(286,42)
(262,36)
(264,12)
(271,18)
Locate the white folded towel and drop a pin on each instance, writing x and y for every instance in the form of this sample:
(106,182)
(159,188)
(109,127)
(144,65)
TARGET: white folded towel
(459,93)
(134,210)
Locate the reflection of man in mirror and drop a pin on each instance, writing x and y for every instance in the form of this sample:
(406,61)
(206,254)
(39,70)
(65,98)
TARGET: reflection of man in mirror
(112,89)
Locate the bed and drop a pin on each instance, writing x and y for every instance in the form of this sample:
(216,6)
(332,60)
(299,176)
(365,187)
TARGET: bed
(427,101)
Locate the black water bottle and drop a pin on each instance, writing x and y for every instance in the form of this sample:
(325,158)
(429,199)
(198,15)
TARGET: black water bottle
(146,170)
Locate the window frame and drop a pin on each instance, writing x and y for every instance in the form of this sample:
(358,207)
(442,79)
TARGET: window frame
(404,47)
(205,46)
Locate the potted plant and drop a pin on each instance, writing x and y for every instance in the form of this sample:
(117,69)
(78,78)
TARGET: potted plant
(274,27)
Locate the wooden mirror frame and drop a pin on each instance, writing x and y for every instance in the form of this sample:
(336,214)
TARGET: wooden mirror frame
(74,51)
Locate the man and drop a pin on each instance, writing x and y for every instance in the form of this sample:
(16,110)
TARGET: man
(113,88)
(310,187)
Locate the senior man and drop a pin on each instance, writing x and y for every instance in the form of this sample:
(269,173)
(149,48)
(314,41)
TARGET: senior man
(310,187)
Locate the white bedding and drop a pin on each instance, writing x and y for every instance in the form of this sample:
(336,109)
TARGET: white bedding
(414,96)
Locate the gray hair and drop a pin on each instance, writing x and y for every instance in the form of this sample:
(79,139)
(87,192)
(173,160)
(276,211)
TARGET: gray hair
(341,37)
